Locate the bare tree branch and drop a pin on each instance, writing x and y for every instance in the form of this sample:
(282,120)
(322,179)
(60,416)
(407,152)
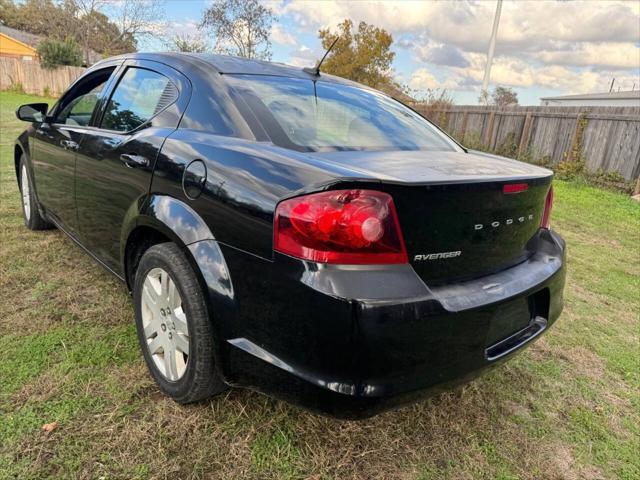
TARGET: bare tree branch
(240,27)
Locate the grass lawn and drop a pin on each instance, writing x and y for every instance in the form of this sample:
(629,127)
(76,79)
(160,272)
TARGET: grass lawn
(568,407)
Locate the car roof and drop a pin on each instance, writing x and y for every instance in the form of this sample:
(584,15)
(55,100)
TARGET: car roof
(227,64)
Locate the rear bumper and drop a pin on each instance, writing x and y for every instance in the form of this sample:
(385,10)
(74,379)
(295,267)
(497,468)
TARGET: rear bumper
(352,341)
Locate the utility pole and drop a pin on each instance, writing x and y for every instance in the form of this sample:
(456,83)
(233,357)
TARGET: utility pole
(492,47)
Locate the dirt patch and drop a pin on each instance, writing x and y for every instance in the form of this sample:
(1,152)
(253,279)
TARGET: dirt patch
(43,388)
(567,468)
(583,362)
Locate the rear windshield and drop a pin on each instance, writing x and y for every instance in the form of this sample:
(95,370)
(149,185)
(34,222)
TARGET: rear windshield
(322,116)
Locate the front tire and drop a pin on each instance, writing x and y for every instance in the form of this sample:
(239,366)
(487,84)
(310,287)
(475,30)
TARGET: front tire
(30,211)
(174,328)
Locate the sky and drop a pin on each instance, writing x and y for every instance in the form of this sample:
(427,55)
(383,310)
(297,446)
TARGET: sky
(544,48)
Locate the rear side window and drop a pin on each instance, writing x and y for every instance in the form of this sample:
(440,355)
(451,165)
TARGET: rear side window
(139,96)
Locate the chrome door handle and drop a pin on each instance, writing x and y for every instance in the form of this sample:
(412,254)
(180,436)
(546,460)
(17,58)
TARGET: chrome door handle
(69,144)
(131,160)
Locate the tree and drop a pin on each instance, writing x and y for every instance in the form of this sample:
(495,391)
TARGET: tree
(105,37)
(40,17)
(363,56)
(104,26)
(501,97)
(54,53)
(119,31)
(240,27)
(188,43)
(484,98)
(137,19)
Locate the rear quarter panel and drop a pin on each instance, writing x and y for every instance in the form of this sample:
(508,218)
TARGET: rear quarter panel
(245,181)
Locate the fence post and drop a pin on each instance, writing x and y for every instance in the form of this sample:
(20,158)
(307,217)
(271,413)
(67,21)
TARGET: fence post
(492,117)
(463,131)
(526,133)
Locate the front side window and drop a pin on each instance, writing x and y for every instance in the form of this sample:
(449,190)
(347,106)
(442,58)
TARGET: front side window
(78,107)
(139,96)
(331,116)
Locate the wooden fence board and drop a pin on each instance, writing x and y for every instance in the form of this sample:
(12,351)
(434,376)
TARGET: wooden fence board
(610,140)
(35,79)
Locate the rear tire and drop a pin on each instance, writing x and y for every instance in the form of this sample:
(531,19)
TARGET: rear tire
(174,328)
(30,211)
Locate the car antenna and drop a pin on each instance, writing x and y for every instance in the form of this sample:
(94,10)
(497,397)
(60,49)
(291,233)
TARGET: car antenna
(316,70)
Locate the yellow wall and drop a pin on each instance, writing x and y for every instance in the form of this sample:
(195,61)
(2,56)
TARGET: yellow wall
(10,46)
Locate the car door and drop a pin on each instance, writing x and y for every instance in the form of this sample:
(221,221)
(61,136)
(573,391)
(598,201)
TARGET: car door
(56,142)
(117,155)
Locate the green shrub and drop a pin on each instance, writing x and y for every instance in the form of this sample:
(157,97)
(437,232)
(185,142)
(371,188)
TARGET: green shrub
(612,181)
(508,147)
(569,170)
(54,53)
(16,88)
(473,141)
(577,171)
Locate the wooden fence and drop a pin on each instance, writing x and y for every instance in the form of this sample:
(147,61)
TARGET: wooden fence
(31,77)
(606,138)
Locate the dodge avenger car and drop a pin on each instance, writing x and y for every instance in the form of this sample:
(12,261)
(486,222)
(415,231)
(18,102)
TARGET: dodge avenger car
(292,232)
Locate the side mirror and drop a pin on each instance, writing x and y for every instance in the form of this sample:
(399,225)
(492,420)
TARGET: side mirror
(32,112)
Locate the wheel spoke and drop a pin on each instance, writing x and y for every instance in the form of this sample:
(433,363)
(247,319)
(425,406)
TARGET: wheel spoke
(182,343)
(155,344)
(149,295)
(164,284)
(171,369)
(152,327)
(180,320)
(172,295)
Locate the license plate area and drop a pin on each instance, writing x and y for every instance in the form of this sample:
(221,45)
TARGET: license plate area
(516,323)
(517,340)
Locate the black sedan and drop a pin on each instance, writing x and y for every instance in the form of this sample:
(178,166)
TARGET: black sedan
(292,232)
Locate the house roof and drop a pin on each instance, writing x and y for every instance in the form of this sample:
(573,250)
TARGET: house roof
(632,94)
(23,37)
(33,40)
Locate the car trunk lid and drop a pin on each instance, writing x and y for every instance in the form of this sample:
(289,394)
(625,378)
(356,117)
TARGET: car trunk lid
(462,215)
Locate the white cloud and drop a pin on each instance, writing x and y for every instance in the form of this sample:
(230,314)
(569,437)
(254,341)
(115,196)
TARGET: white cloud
(530,26)
(279,35)
(611,54)
(519,73)
(303,57)
(468,23)
(423,79)
(572,46)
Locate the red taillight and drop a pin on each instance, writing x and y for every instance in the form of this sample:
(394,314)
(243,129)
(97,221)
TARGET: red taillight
(546,214)
(340,226)
(514,188)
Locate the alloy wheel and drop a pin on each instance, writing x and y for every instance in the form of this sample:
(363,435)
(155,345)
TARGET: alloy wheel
(165,324)
(26,193)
